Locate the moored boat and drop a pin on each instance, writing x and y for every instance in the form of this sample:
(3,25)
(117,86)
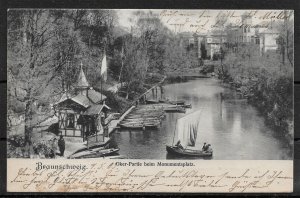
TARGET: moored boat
(178,109)
(152,101)
(139,125)
(94,154)
(177,102)
(186,106)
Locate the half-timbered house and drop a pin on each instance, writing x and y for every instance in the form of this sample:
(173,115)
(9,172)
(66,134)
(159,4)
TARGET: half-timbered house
(81,113)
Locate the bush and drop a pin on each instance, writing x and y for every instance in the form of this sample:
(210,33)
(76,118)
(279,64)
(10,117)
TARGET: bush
(118,104)
(207,69)
(268,86)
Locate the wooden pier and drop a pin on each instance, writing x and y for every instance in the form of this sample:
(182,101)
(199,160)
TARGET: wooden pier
(150,115)
(144,116)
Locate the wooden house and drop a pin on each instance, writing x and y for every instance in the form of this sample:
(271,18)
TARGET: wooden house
(81,113)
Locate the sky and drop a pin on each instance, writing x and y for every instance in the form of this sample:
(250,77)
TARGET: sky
(202,21)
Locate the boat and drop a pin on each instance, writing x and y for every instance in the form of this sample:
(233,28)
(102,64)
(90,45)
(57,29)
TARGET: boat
(116,157)
(177,109)
(132,126)
(177,102)
(94,154)
(152,102)
(187,132)
(163,101)
(186,106)
(139,125)
(187,152)
(174,102)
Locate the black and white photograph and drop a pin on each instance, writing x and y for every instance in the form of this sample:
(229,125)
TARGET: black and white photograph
(150,84)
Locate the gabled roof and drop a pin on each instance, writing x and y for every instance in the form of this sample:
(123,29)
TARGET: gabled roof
(82,100)
(95,109)
(82,81)
(63,98)
(91,99)
(95,96)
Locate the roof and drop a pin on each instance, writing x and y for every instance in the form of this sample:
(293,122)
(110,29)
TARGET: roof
(186,34)
(82,81)
(269,31)
(82,100)
(95,109)
(95,96)
(63,98)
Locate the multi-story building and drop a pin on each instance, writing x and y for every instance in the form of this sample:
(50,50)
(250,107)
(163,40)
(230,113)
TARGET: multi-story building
(211,43)
(264,38)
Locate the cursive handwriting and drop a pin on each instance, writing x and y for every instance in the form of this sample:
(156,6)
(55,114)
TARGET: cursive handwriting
(107,177)
(204,20)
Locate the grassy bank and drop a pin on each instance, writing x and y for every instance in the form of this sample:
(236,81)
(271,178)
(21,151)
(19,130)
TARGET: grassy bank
(268,85)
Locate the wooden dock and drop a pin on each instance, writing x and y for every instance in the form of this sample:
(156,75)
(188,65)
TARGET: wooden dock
(150,115)
(144,116)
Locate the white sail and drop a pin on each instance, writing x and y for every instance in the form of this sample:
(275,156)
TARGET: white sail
(187,128)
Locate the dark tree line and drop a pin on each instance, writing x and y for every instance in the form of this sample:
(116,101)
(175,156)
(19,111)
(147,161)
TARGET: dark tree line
(46,47)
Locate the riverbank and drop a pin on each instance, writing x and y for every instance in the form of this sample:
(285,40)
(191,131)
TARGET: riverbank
(271,92)
(234,128)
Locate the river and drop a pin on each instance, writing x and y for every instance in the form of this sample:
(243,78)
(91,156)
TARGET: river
(233,127)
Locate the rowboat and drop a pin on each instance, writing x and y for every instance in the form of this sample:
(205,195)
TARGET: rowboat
(187,152)
(139,125)
(187,106)
(177,102)
(94,154)
(187,132)
(178,109)
(152,101)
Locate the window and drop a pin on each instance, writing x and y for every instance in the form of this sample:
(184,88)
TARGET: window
(191,42)
(257,41)
(245,29)
(70,121)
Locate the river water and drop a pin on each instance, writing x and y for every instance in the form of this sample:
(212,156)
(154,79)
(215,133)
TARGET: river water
(233,127)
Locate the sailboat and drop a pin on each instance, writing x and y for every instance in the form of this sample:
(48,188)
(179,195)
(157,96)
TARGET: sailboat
(187,131)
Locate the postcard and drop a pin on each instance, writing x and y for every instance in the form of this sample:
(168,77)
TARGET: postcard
(150,100)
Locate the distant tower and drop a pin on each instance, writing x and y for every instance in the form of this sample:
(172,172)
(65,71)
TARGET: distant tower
(82,83)
(246,27)
(246,19)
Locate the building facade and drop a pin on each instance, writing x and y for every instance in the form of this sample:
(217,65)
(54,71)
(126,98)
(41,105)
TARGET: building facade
(209,45)
(264,38)
(81,112)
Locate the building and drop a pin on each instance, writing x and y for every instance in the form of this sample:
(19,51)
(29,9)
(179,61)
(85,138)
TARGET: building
(82,111)
(268,40)
(208,45)
(264,38)
(187,40)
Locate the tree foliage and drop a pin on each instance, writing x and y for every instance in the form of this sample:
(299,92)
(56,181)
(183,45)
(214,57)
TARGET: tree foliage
(44,52)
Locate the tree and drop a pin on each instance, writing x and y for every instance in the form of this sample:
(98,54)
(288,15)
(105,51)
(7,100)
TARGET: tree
(285,39)
(30,63)
(135,65)
(154,36)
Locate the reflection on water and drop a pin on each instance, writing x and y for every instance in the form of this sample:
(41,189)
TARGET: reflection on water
(232,126)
